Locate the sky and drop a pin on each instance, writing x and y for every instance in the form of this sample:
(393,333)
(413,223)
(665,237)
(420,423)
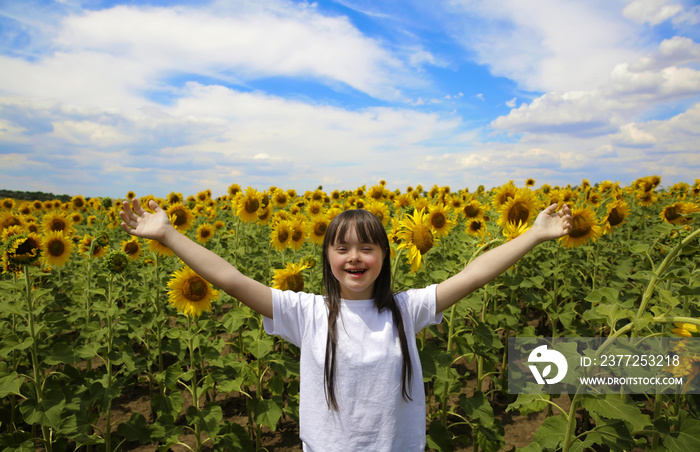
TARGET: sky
(98,98)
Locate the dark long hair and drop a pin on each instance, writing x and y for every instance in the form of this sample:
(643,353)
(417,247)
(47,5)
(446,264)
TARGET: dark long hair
(370,230)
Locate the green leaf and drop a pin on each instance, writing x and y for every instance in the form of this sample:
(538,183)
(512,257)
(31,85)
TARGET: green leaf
(439,438)
(46,412)
(686,438)
(267,412)
(12,342)
(478,408)
(61,353)
(614,406)
(612,433)
(209,418)
(529,403)
(257,346)
(10,384)
(551,433)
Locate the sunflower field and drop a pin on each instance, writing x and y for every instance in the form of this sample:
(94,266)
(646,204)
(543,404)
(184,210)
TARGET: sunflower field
(91,318)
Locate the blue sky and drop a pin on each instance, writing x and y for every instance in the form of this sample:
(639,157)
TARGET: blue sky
(102,97)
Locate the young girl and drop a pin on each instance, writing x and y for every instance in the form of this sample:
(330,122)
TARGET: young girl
(361,380)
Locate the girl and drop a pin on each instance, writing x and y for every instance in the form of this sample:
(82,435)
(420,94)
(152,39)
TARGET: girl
(361,381)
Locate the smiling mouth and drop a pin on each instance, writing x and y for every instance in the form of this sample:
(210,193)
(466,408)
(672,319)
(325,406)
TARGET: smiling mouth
(356,272)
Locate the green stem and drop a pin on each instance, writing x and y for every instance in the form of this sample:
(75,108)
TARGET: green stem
(193,383)
(659,272)
(36,371)
(571,423)
(108,364)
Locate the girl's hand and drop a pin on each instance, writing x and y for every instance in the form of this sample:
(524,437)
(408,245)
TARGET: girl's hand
(551,224)
(144,224)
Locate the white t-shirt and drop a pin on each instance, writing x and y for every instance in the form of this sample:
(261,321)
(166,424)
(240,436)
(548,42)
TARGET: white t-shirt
(372,414)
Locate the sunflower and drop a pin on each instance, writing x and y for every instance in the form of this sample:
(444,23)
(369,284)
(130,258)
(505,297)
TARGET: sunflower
(512,230)
(685,329)
(376,192)
(132,248)
(298,233)
(503,194)
(75,218)
(280,198)
(7,204)
(205,232)
(675,213)
(317,228)
(617,212)
(584,227)
(380,210)
(476,227)
(96,245)
(116,261)
(416,237)
(189,293)
(174,198)
(521,208)
(473,209)
(57,248)
(234,190)
(314,209)
(440,224)
(203,196)
(265,214)
(10,219)
(159,248)
(180,216)
(57,222)
(78,202)
(248,203)
(530,182)
(290,278)
(13,230)
(646,198)
(281,235)
(20,250)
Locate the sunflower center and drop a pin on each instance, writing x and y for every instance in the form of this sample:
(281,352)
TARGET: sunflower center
(296,235)
(615,217)
(195,289)
(518,213)
(58,225)
(56,248)
(438,220)
(423,238)
(672,213)
(283,235)
(471,211)
(476,226)
(252,205)
(293,282)
(180,218)
(131,248)
(320,229)
(204,233)
(579,227)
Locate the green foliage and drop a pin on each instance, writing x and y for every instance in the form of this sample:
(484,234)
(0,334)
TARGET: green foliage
(86,337)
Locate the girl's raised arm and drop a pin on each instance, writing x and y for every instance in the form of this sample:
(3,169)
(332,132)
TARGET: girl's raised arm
(208,265)
(548,225)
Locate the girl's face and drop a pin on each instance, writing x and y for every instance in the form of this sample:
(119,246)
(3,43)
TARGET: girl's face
(356,265)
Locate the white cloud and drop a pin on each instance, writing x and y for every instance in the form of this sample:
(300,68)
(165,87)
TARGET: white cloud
(511,103)
(545,45)
(632,89)
(652,12)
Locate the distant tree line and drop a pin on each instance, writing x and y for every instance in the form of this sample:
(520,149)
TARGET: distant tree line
(32,195)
